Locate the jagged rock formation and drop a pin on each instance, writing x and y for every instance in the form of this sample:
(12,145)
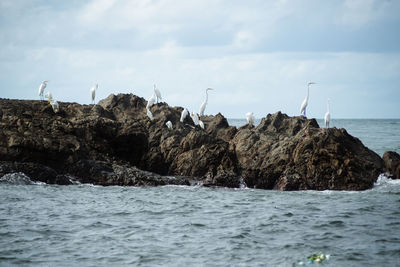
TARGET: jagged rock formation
(114,143)
(295,154)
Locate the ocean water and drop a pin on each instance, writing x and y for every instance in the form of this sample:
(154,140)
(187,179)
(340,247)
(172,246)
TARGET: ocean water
(86,225)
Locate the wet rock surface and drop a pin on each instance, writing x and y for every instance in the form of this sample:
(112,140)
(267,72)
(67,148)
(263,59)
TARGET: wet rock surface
(115,143)
(391,160)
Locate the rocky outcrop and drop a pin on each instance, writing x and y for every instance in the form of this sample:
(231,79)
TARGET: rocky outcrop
(95,172)
(391,160)
(295,154)
(115,143)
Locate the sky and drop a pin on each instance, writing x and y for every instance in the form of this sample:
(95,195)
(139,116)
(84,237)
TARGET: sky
(257,55)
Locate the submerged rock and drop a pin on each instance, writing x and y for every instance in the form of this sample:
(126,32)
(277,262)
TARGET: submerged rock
(115,143)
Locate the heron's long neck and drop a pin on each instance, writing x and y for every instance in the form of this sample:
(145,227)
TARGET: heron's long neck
(206,96)
(328,107)
(308,92)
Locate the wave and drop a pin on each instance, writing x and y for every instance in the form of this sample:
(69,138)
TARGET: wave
(18,178)
(384,181)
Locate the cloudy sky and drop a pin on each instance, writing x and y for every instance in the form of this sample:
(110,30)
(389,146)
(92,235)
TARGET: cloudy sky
(257,55)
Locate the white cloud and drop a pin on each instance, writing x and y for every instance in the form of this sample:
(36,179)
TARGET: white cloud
(96,11)
(359,13)
(153,17)
(264,82)
(246,24)
(244,40)
(187,46)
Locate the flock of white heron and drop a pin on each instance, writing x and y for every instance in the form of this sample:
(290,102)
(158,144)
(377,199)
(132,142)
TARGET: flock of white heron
(156,96)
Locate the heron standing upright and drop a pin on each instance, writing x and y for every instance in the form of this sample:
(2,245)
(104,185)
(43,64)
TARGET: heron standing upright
(157,92)
(327,116)
(151,101)
(41,88)
(303,107)
(203,106)
(93,92)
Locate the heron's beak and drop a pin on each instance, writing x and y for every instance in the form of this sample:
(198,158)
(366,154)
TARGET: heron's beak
(210,89)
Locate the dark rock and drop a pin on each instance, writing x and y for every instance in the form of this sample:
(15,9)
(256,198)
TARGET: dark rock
(218,126)
(391,160)
(223,179)
(200,154)
(35,171)
(295,154)
(115,143)
(104,173)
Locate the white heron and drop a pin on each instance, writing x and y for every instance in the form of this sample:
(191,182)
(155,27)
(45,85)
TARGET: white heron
(195,118)
(184,114)
(250,118)
(151,101)
(327,116)
(55,106)
(41,88)
(157,93)
(201,123)
(49,96)
(203,106)
(93,92)
(305,102)
(149,114)
(169,124)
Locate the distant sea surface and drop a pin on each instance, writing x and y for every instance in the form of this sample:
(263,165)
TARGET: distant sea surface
(86,225)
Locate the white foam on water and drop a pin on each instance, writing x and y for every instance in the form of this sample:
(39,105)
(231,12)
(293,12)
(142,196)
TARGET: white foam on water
(243,184)
(88,185)
(384,182)
(181,186)
(18,178)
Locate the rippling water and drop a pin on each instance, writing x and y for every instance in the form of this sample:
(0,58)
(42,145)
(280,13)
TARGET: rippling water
(84,225)
(194,226)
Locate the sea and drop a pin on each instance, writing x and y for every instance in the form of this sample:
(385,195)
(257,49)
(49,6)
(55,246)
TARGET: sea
(87,225)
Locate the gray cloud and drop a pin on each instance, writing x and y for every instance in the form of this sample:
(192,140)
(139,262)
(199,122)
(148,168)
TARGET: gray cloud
(257,55)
